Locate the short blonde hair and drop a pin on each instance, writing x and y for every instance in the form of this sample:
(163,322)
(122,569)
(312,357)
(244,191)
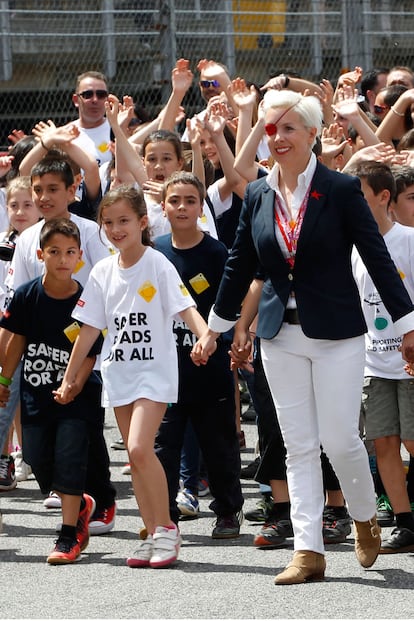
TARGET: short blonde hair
(308,108)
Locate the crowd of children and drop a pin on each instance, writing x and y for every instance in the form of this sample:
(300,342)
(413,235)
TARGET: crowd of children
(116,237)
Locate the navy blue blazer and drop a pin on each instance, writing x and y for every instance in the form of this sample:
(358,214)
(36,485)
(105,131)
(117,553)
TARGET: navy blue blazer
(337,218)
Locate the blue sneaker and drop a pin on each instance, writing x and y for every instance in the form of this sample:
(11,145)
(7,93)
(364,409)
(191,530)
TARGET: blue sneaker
(203,488)
(187,503)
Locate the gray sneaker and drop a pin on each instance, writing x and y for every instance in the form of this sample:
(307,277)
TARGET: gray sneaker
(7,473)
(228,526)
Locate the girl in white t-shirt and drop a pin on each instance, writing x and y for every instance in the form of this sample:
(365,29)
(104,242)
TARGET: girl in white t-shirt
(161,156)
(22,213)
(135,295)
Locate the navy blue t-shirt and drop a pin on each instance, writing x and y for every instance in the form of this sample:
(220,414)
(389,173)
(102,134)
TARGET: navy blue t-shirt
(50,331)
(201,269)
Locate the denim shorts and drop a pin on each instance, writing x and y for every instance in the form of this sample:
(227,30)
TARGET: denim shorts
(388,406)
(58,454)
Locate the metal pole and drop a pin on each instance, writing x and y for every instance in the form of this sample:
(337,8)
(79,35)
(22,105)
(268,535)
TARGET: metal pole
(168,45)
(109,38)
(317,48)
(344,24)
(229,53)
(6,60)
(366,16)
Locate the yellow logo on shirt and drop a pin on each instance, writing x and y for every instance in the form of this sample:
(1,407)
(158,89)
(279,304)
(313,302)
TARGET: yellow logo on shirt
(147,291)
(72,331)
(199,283)
(402,275)
(103,147)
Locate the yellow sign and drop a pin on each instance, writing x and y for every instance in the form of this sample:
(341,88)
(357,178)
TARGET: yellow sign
(259,24)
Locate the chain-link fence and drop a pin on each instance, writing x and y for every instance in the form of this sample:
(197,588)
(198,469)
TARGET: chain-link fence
(45,44)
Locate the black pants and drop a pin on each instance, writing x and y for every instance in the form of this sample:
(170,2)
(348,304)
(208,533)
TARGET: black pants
(215,427)
(98,476)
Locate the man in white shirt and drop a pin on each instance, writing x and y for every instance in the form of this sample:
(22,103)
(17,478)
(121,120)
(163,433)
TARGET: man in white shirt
(89,98)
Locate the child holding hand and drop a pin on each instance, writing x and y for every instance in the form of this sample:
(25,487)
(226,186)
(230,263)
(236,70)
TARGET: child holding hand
(135,295)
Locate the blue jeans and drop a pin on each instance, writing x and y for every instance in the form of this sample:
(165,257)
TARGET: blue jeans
(7,413)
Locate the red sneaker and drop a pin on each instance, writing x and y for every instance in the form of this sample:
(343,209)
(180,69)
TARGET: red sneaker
(66,551)
(82,527)
(102,520)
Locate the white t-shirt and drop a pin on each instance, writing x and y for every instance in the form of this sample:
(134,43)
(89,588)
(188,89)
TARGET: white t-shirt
(4,216)
(95,140)
(5,293)
(25,265)
(381,341)
(137,305)
(220,205)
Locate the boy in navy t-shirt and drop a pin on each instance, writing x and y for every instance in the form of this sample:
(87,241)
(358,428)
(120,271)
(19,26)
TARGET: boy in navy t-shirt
(55,437)
(206,393)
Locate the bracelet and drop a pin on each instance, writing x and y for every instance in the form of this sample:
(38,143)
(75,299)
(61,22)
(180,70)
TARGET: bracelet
(43,145)
(5,381)
(396,112)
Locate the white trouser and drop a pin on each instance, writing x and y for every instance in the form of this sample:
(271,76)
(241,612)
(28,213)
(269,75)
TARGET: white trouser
(317,386)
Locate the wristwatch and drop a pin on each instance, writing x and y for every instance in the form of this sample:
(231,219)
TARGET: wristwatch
(287,80)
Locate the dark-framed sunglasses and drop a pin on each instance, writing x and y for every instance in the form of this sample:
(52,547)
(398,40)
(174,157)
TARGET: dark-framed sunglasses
(380,109)
(208,83)
(89,93)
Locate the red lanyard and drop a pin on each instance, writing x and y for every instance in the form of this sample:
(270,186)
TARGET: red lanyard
(290,229)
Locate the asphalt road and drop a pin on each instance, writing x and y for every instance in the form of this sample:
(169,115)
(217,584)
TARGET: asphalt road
(212,579)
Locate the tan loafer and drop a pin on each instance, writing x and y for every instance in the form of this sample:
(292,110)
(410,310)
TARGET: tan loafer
(304,567)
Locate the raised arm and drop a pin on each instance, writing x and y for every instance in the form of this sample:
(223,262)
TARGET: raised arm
(126,157)
(246,99)
(194,131)
(299,85)
(181,79)
(347,106)
(245,161)
(393,125)
(215,123)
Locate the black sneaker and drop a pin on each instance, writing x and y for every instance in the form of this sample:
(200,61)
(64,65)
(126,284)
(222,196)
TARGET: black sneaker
(227,526)
(249,414)
(263,508)
(401,540)
(336,524)
(273,535)
(7,473)
(385,514)
(249,471)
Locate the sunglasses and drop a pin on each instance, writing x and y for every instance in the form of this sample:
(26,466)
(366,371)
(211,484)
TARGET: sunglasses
(208,83)
(100,94)
(380,109)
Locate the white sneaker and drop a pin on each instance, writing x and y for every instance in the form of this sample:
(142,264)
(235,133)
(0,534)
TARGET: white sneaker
(142,556)
(52,501)
(167,543)
(187,503)
(126,469)
(22,470)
